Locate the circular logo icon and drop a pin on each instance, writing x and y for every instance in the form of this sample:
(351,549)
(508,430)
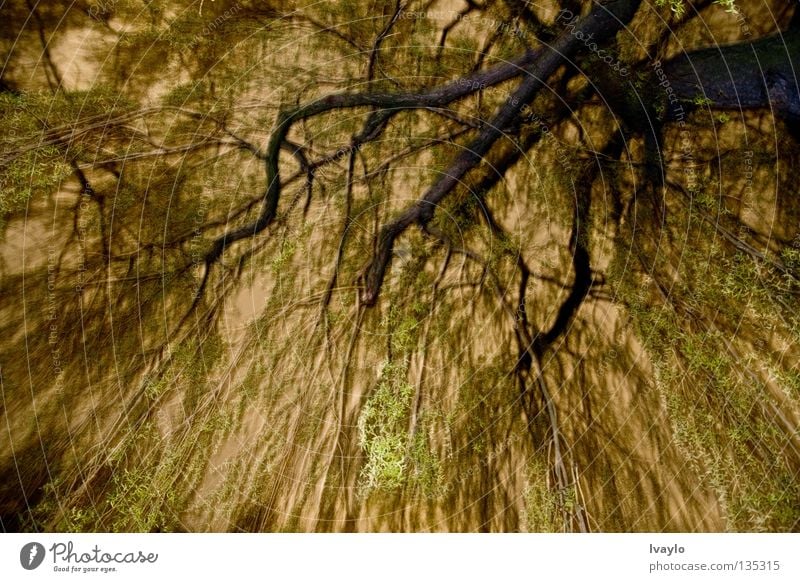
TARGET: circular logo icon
(31,555)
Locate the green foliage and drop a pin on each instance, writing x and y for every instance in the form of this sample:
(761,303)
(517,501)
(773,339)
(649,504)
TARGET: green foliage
(382,429)
(26,170)
(728,5)
(677,6)
(717,404)
(36,155)
(702,101)
(37,172)
(134,496)
(70,519)
(542,505)
(791,258)
(155,387)
(215,428)
(426,470)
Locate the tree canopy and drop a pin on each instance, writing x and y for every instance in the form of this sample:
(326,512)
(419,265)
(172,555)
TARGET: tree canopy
(400,265)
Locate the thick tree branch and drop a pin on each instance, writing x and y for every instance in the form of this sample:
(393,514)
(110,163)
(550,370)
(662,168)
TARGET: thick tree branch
(387,105)
(761,74)
(601,23)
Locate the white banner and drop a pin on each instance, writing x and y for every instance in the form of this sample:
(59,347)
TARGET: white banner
(399,557)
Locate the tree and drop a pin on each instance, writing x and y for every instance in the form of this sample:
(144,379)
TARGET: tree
(400,265)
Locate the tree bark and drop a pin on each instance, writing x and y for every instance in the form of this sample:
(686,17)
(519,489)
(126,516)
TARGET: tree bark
(748,75)
(601,23)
